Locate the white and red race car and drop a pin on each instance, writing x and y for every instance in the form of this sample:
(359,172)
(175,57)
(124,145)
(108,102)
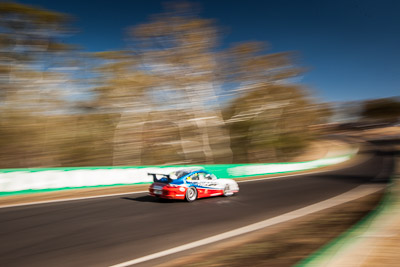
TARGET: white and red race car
(191,184)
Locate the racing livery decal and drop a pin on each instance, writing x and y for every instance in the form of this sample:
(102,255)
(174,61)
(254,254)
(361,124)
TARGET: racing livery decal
(190,184)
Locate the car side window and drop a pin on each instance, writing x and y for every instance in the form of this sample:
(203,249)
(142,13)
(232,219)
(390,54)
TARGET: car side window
(210,176)
(193,177)
(202,176)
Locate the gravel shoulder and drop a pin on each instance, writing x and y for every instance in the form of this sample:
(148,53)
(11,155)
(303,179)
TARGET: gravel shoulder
(375,242)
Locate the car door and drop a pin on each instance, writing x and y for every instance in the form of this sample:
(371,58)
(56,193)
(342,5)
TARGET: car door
(208,184)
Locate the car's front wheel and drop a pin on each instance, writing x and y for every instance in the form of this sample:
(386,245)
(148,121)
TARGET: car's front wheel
(191,194)
(227,191)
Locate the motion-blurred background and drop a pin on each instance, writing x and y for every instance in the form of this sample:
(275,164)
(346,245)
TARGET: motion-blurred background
(176,92)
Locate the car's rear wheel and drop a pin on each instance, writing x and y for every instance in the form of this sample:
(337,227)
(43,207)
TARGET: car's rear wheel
(191,194)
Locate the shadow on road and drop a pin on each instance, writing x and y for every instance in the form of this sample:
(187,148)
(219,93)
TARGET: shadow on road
(149,199)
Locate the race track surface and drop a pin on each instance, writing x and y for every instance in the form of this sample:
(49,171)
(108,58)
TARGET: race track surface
(111,230)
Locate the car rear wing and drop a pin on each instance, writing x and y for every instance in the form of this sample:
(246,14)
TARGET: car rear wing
(165,178)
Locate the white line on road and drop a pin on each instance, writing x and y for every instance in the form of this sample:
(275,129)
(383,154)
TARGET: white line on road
(350,195)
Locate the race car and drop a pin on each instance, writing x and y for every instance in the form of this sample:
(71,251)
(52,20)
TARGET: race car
(190,184)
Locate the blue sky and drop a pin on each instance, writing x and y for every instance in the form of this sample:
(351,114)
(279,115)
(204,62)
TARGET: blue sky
(351,48)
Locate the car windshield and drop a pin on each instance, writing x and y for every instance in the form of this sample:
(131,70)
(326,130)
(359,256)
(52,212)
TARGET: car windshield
(182,173)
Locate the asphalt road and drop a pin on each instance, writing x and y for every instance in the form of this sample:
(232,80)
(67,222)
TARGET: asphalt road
(111,230)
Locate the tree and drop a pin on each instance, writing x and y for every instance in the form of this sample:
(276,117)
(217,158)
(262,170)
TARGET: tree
(177,47)
(269,116)
(270,123)
(123,90)
(30,90)
(176,51)
(29,37)
(384,109)
(157,101)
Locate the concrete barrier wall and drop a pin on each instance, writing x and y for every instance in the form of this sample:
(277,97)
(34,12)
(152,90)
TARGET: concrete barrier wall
(22,181)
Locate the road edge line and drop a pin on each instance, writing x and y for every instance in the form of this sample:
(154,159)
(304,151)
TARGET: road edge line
(350,195)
